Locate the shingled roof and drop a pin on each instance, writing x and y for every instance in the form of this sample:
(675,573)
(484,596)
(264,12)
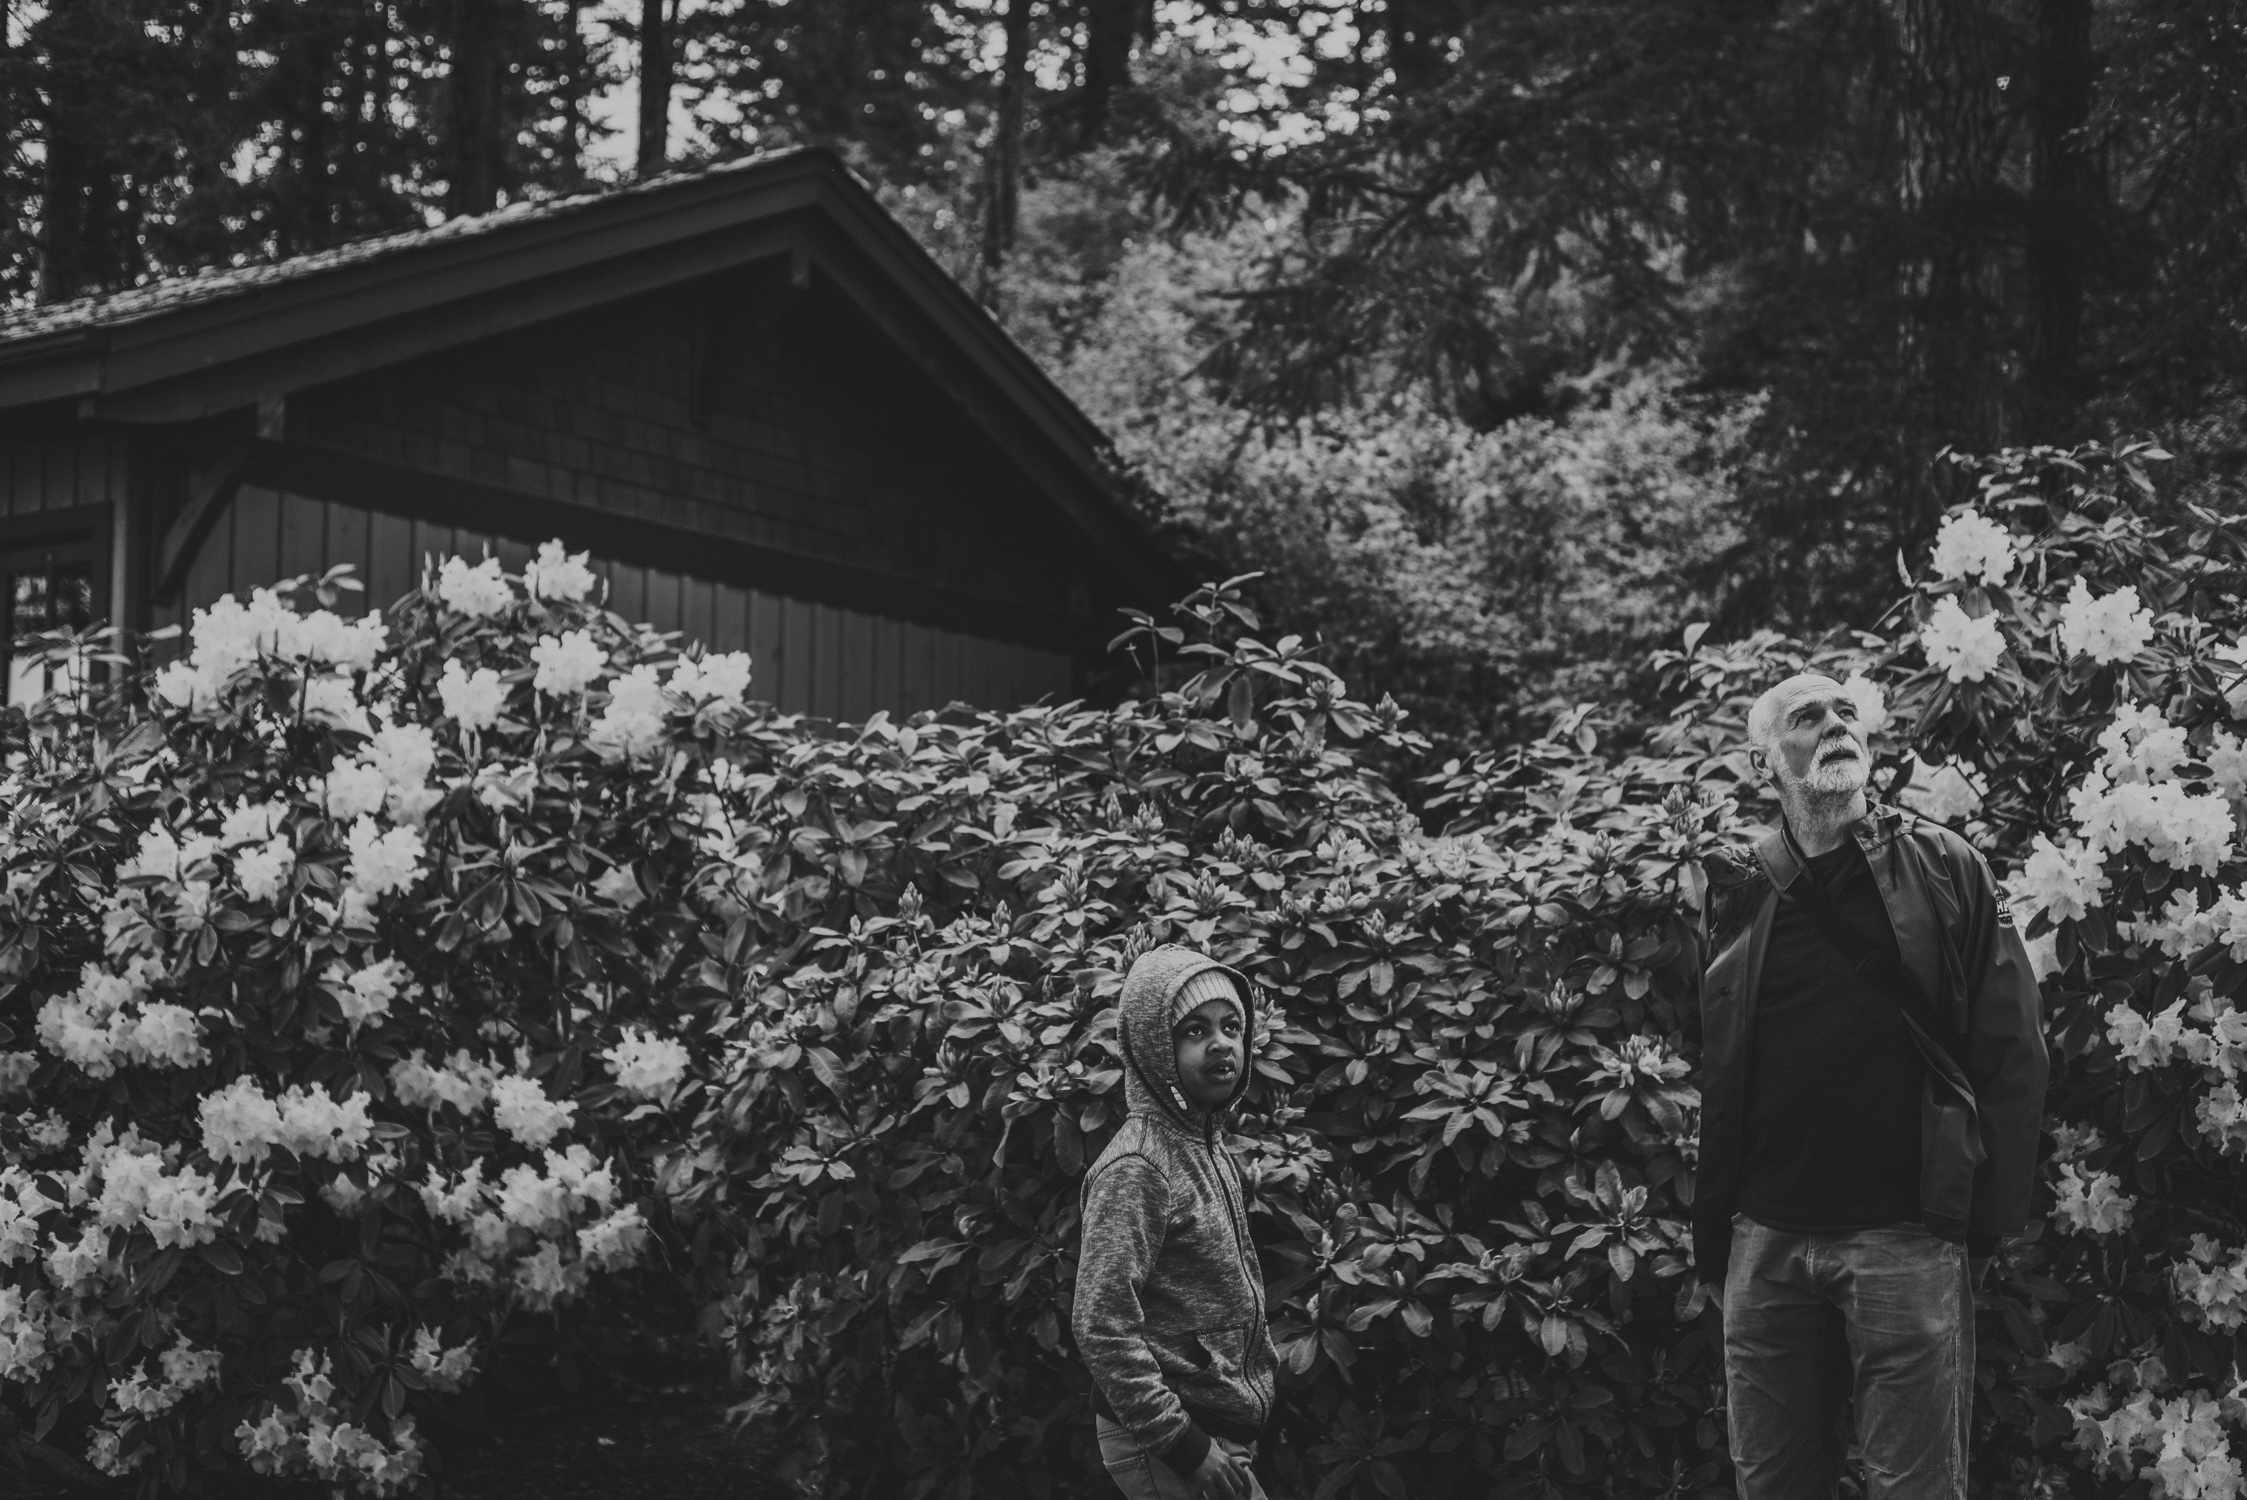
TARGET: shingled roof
(198,347)
(217,283)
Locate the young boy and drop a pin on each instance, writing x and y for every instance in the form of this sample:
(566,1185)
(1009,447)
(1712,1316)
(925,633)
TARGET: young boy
(1169,1309)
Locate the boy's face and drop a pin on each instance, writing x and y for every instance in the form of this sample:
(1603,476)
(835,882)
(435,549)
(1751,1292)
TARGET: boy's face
(1211,1052)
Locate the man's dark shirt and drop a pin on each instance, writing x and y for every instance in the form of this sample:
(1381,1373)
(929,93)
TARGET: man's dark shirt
(1834,1078)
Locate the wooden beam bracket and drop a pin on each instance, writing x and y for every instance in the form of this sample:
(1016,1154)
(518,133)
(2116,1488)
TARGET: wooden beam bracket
(209,487)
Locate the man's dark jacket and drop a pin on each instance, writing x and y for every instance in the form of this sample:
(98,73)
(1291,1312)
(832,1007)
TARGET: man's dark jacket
(1977,1134)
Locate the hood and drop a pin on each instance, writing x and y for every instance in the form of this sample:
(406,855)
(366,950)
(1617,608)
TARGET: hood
(1143,1019)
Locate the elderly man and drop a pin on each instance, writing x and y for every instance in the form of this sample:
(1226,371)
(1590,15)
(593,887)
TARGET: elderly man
(1874,1071)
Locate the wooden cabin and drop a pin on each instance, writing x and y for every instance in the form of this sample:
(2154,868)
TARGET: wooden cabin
(774,421)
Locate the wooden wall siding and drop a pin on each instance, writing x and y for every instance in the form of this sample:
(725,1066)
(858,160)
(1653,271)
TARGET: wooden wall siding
(39,474)
(598,409)
(810,658)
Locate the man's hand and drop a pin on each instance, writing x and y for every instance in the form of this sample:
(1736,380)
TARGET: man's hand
(1221,1476)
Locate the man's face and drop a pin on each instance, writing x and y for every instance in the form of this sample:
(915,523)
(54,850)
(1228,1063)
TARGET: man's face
(1817,743)
(1211,1052)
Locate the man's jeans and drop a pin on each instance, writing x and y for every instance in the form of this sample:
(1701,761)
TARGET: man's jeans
(1806,1316)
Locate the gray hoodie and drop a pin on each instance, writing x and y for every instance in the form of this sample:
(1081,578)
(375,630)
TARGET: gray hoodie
(1169,1310)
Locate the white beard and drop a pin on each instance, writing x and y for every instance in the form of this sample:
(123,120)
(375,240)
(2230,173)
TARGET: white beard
(1839,777)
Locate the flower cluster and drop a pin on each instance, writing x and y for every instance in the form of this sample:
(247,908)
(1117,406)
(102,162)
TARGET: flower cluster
(241,1123)
(1967,648)
(647,1066)
(2178,1443)
(541,1233)
(2210,1286)
(230,637)
(1971,546)
(312,1434)
(109,1022)
(2108,628)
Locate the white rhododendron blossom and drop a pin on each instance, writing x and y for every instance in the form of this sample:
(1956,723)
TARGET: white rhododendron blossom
(541,1230)
(333,701)
(353,791)
(312,1435)
(2091,1202)
(365,994)
(444,1369)
(383,862)
(241,1123)
(650,1066)
(250,822)
(557,574)
(2109,628)
(230,636)
(1969,545)
(1945,793)
(1872,703)
(2063,881)
(723,676)
(2183,829)
(460,1081)
(1963,647)
(474,699)
(478,591)
(109,1022)
(2142,745)
(2178,1444)
(567,663)
(2209,1285)
(520,1107)
(263,870)
(632,722)
(16,1069)
(161,854)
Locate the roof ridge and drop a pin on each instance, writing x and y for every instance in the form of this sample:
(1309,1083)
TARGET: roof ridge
(215,283)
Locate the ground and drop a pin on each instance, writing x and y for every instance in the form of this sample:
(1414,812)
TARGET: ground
(633,1441)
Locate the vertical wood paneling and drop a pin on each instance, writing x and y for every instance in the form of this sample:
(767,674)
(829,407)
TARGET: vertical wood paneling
(826,661)
(513,555)
(730,627)
(28,483)
(796,656)
(391,565)
(304,536)
(257,540)
(663,600)
(207,574)
(628,591)
(856,666)
(347,543)
(764,644)
(889,646)
(698,612)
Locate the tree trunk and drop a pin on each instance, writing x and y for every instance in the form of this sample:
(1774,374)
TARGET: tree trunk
(1109,26)
(2060,202)
(1003,164)
(656,61)
(1946,121)
(575,65)
(472,109)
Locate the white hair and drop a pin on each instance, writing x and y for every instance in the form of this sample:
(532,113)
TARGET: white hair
(1763,717)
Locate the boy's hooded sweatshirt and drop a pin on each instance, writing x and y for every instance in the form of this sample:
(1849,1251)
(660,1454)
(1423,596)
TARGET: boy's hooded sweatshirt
(1169,1313)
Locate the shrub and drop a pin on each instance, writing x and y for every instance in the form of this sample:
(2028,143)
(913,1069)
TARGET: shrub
(346,971)
(1471,1127)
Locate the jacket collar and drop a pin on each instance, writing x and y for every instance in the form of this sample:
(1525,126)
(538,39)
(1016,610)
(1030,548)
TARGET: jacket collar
(1783,858)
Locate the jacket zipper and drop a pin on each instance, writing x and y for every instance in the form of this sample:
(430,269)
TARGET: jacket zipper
(1239,1220)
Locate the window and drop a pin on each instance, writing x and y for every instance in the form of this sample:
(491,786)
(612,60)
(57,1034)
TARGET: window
(43,589)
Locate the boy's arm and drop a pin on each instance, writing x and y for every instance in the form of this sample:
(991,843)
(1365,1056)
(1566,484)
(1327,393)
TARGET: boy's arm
(1126,1204)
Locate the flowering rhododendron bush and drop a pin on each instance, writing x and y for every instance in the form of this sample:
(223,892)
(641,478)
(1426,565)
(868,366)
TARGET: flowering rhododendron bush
(1470,1131)
(346,1016)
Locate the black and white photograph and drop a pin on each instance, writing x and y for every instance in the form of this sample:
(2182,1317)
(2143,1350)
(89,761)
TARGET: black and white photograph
(1123,749)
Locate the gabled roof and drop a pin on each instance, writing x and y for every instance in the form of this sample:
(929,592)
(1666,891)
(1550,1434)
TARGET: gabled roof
(196,346)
